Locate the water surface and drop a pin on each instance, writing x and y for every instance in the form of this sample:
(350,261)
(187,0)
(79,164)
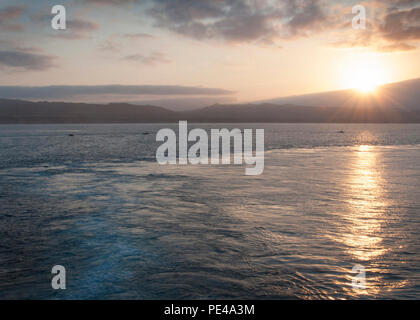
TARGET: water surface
(126,227)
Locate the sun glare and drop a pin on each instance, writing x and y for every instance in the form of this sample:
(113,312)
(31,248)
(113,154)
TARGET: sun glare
(365,75)
(366,84)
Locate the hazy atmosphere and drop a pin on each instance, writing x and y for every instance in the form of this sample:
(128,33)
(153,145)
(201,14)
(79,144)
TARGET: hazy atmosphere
(243,51)
(209,152)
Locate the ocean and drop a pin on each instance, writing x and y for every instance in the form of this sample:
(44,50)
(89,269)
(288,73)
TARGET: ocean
(332,196)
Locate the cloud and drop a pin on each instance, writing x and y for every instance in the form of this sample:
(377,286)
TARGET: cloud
(8,17)
(25,60)
(392,26)
(79,25)
(241,21)
(13,45)
(150,60)
(109,45)
(140,35)
(369,41)
(76,29)
(235,20)
(395,47)
(402,25)
(305,16)
(403,2)
(110,2)
(117,42)
(68,92)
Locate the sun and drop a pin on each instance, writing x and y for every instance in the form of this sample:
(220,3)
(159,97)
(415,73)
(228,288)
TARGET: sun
(365,75)
(366,84)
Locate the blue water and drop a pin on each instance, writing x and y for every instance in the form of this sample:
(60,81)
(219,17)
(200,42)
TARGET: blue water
(125,227)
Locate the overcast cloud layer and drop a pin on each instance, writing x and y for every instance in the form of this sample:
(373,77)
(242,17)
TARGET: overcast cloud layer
(393,24)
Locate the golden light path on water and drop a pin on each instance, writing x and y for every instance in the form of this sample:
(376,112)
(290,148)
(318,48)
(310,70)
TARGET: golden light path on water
(368,208)
(362,232)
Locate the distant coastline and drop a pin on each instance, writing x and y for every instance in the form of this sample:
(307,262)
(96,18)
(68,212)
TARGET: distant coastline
(26,112)
(392,103)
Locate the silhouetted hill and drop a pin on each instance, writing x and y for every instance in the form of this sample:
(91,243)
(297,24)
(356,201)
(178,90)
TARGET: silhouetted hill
(398,102)
(395,102)
(295,114)
(18,111)
(405,95)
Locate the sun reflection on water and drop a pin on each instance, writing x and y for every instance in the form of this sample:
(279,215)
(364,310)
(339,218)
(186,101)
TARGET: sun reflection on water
(362,231)
(367,207)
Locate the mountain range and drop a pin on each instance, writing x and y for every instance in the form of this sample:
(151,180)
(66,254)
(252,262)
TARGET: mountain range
(391,103)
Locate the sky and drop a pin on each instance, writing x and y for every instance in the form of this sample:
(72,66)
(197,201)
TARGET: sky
(202,51)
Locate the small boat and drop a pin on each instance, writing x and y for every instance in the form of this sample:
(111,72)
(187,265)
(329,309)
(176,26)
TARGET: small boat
(341,131)
(71,135)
